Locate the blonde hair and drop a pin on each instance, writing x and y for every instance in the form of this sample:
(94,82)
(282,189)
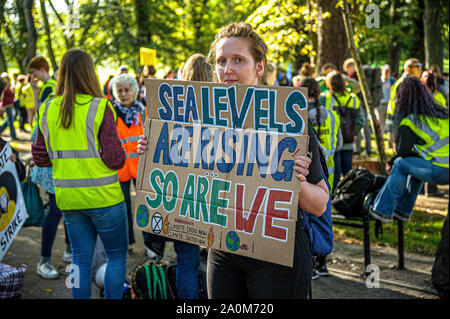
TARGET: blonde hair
(197,69)
(76,76)
(257,46)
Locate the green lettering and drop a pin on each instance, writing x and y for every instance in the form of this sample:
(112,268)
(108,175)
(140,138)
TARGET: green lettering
(188,197)
(202,190)
(216,202)
(156,202)
(169,205)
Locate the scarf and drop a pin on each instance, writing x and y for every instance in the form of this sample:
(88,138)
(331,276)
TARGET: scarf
(129,115)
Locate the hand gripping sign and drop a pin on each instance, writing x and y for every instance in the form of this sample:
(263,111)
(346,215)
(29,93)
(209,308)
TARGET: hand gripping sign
(218,170)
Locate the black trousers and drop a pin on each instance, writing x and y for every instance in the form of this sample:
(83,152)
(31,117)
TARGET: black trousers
(232,276)
(126,193)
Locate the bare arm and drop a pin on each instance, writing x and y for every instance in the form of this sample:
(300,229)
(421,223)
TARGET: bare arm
(313,198)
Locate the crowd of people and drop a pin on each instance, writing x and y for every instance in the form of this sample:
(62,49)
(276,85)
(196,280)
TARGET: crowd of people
(90,188)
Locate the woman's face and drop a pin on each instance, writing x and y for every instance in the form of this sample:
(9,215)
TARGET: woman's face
(235,64)
(125,94)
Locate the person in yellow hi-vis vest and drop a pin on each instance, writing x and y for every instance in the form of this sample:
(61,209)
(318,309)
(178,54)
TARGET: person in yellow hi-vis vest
(412,67)
(77,136)
(327,125)
(422,144)
(430,81)
(347,106)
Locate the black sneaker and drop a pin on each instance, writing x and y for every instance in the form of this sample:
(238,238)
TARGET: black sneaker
(314,274)
(378,216)
(322,270)
(402,217)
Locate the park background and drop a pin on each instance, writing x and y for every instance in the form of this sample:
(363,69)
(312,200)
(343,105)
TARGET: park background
(296,31)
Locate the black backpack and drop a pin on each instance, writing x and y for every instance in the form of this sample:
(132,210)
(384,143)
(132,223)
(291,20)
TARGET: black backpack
(150,281)
(349,118)
(348,197)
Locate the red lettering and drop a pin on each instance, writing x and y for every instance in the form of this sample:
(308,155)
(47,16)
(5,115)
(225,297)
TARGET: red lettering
(247,224)
(272,212)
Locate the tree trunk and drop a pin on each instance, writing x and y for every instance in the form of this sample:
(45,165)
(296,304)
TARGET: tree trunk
(432,33)
(395,49)
(51,55)
(3,64)
(31,32)
(364,88)
(331,38)
(144,33)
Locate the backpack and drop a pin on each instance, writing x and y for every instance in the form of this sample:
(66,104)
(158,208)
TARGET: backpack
(349,119)
(149,281)
(348,197)
(320,229)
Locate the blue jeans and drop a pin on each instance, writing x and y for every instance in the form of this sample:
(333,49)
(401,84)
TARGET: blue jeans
(400,191)
(343,161)
(10,115)
(111,225)
(50,227)
(188,261)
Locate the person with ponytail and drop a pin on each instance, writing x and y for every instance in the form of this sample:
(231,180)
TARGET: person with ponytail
(422,146)
(77,136)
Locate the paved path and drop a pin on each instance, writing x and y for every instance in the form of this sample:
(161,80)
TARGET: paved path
(345,267)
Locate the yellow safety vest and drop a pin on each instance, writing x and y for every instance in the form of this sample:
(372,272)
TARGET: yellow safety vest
(81,178)
(50,83)
(434,132)
(391,103)
(329,131)
(330,101)
(440,99)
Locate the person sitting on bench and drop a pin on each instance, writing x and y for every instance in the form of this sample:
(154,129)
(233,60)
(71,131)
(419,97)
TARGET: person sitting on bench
(422,143)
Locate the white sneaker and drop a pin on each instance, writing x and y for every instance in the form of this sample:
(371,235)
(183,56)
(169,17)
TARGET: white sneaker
(47,271)
(67,257)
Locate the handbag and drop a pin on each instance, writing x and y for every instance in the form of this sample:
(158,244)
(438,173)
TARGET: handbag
(33,202)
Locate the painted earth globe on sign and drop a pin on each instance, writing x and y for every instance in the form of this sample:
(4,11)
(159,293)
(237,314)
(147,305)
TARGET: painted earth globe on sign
(232,241)
(142,216)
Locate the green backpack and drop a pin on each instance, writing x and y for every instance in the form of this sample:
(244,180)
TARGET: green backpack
(149,281)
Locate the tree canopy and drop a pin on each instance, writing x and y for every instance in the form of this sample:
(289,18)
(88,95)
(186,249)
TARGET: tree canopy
(113,30)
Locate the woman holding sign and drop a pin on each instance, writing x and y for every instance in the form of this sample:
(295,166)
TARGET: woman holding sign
(238,55)
(78,137)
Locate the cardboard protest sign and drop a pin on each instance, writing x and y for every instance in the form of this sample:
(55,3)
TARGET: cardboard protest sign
(218,170)
(13,212)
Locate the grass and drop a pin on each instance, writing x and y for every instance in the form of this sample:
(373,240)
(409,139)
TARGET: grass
(422,233)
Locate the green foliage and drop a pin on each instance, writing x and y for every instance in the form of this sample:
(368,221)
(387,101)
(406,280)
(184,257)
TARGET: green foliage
(287,26)
(113,30)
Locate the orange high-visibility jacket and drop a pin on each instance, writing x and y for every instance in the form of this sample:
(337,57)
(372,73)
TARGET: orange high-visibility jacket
(129,137)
